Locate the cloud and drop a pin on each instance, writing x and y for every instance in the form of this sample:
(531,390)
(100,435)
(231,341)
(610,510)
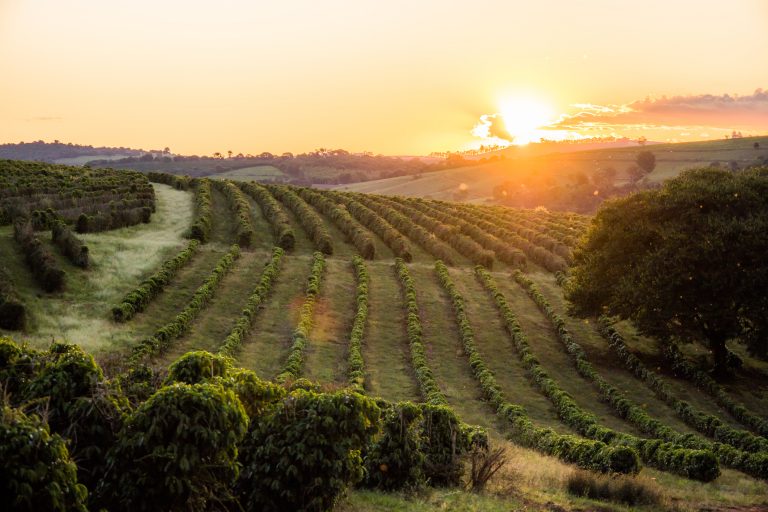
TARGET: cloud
(724,111)
(491,126)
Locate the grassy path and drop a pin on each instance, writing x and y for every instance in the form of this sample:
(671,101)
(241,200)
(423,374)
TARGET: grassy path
(121,259)
(215,322)
(265,347)
(326,353)
(223,227)
(445,353)
(613,371)
(498,353)
(385,349)
(553,358)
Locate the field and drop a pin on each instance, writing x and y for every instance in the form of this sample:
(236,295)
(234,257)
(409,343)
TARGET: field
(671,159)
(256,173)
(421,232)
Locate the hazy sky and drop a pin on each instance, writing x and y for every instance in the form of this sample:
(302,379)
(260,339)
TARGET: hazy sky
(397,77)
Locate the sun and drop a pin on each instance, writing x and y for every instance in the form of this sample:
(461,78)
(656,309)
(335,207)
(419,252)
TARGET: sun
(523,118)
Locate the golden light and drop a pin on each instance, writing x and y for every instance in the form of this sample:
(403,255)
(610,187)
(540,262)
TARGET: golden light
(523,118)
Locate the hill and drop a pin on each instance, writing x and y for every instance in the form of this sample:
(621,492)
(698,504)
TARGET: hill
(474,334)
(547,176)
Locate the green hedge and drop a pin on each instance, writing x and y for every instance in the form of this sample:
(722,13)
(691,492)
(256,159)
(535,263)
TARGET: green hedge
(71,246)
(295,362)
(356,364)
(430,391)
(259,294)
(139,298)
(163,337)
(39,259)
(695,464)
(585,453)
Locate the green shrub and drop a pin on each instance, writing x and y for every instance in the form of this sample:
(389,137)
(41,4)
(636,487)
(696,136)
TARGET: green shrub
(177,451)
(304,451)
(196,367)
(395,460)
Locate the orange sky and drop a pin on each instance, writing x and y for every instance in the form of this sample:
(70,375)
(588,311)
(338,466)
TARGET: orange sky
(396,77)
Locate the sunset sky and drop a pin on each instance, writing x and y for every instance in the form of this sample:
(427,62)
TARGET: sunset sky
(395,77)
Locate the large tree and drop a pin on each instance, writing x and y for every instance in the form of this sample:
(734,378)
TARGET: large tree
(685,263)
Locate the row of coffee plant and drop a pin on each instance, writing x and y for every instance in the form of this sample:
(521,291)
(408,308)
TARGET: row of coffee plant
(162,339)
(391,237)
(685,369)
(355,362)
(139,298)
(354,231)
(13,312)
(245,233)
(255,301)
(502,250)
(705,423)
(692,463)
(586,453)
(201,224)
(85,442)
(274,213)
(448,233)
(489,223)
(173,180)
(430,391)
(294,364)
(41,262)
(70,245)
(308,218)
(754,464)
(410,229)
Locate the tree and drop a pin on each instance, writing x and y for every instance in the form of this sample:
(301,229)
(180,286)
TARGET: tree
(685,263)
(646,161)
(756,145)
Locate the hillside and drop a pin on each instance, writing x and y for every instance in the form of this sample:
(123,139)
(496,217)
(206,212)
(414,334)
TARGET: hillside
(268,309)
(559,168)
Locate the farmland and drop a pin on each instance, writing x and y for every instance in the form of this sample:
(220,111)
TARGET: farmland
(447,304)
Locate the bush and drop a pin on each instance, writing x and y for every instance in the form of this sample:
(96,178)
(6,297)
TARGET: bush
(71,246)
(177,451)
(37,472)
(620,489)
(13,312)
(304,451)
(395,460)
(196,367)
(201,226)
(39,259)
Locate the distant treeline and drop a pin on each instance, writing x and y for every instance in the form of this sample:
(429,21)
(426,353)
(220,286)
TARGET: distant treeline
(50,151)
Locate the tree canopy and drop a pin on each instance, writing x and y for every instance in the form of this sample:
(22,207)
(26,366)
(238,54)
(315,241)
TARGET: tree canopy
(685,262)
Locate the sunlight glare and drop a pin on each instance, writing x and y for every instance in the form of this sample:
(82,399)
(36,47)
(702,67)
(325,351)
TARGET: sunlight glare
(523,118)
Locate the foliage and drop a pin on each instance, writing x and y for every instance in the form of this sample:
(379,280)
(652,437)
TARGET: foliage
(201,225)
(308,218)
(274,213)
(37,472)
(628,490)
(197,367)
(303,452)
(300,339)
(238,203)
(71,246)
(685,262)
(13,312)
(138,299)
(430,391)
(38,258)
(395,459)
(355,362)
(177,451)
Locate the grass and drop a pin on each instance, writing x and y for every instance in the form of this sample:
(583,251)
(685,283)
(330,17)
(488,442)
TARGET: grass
(326,354)
(385,347)
(266,346)
(121,259)
(215,322)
